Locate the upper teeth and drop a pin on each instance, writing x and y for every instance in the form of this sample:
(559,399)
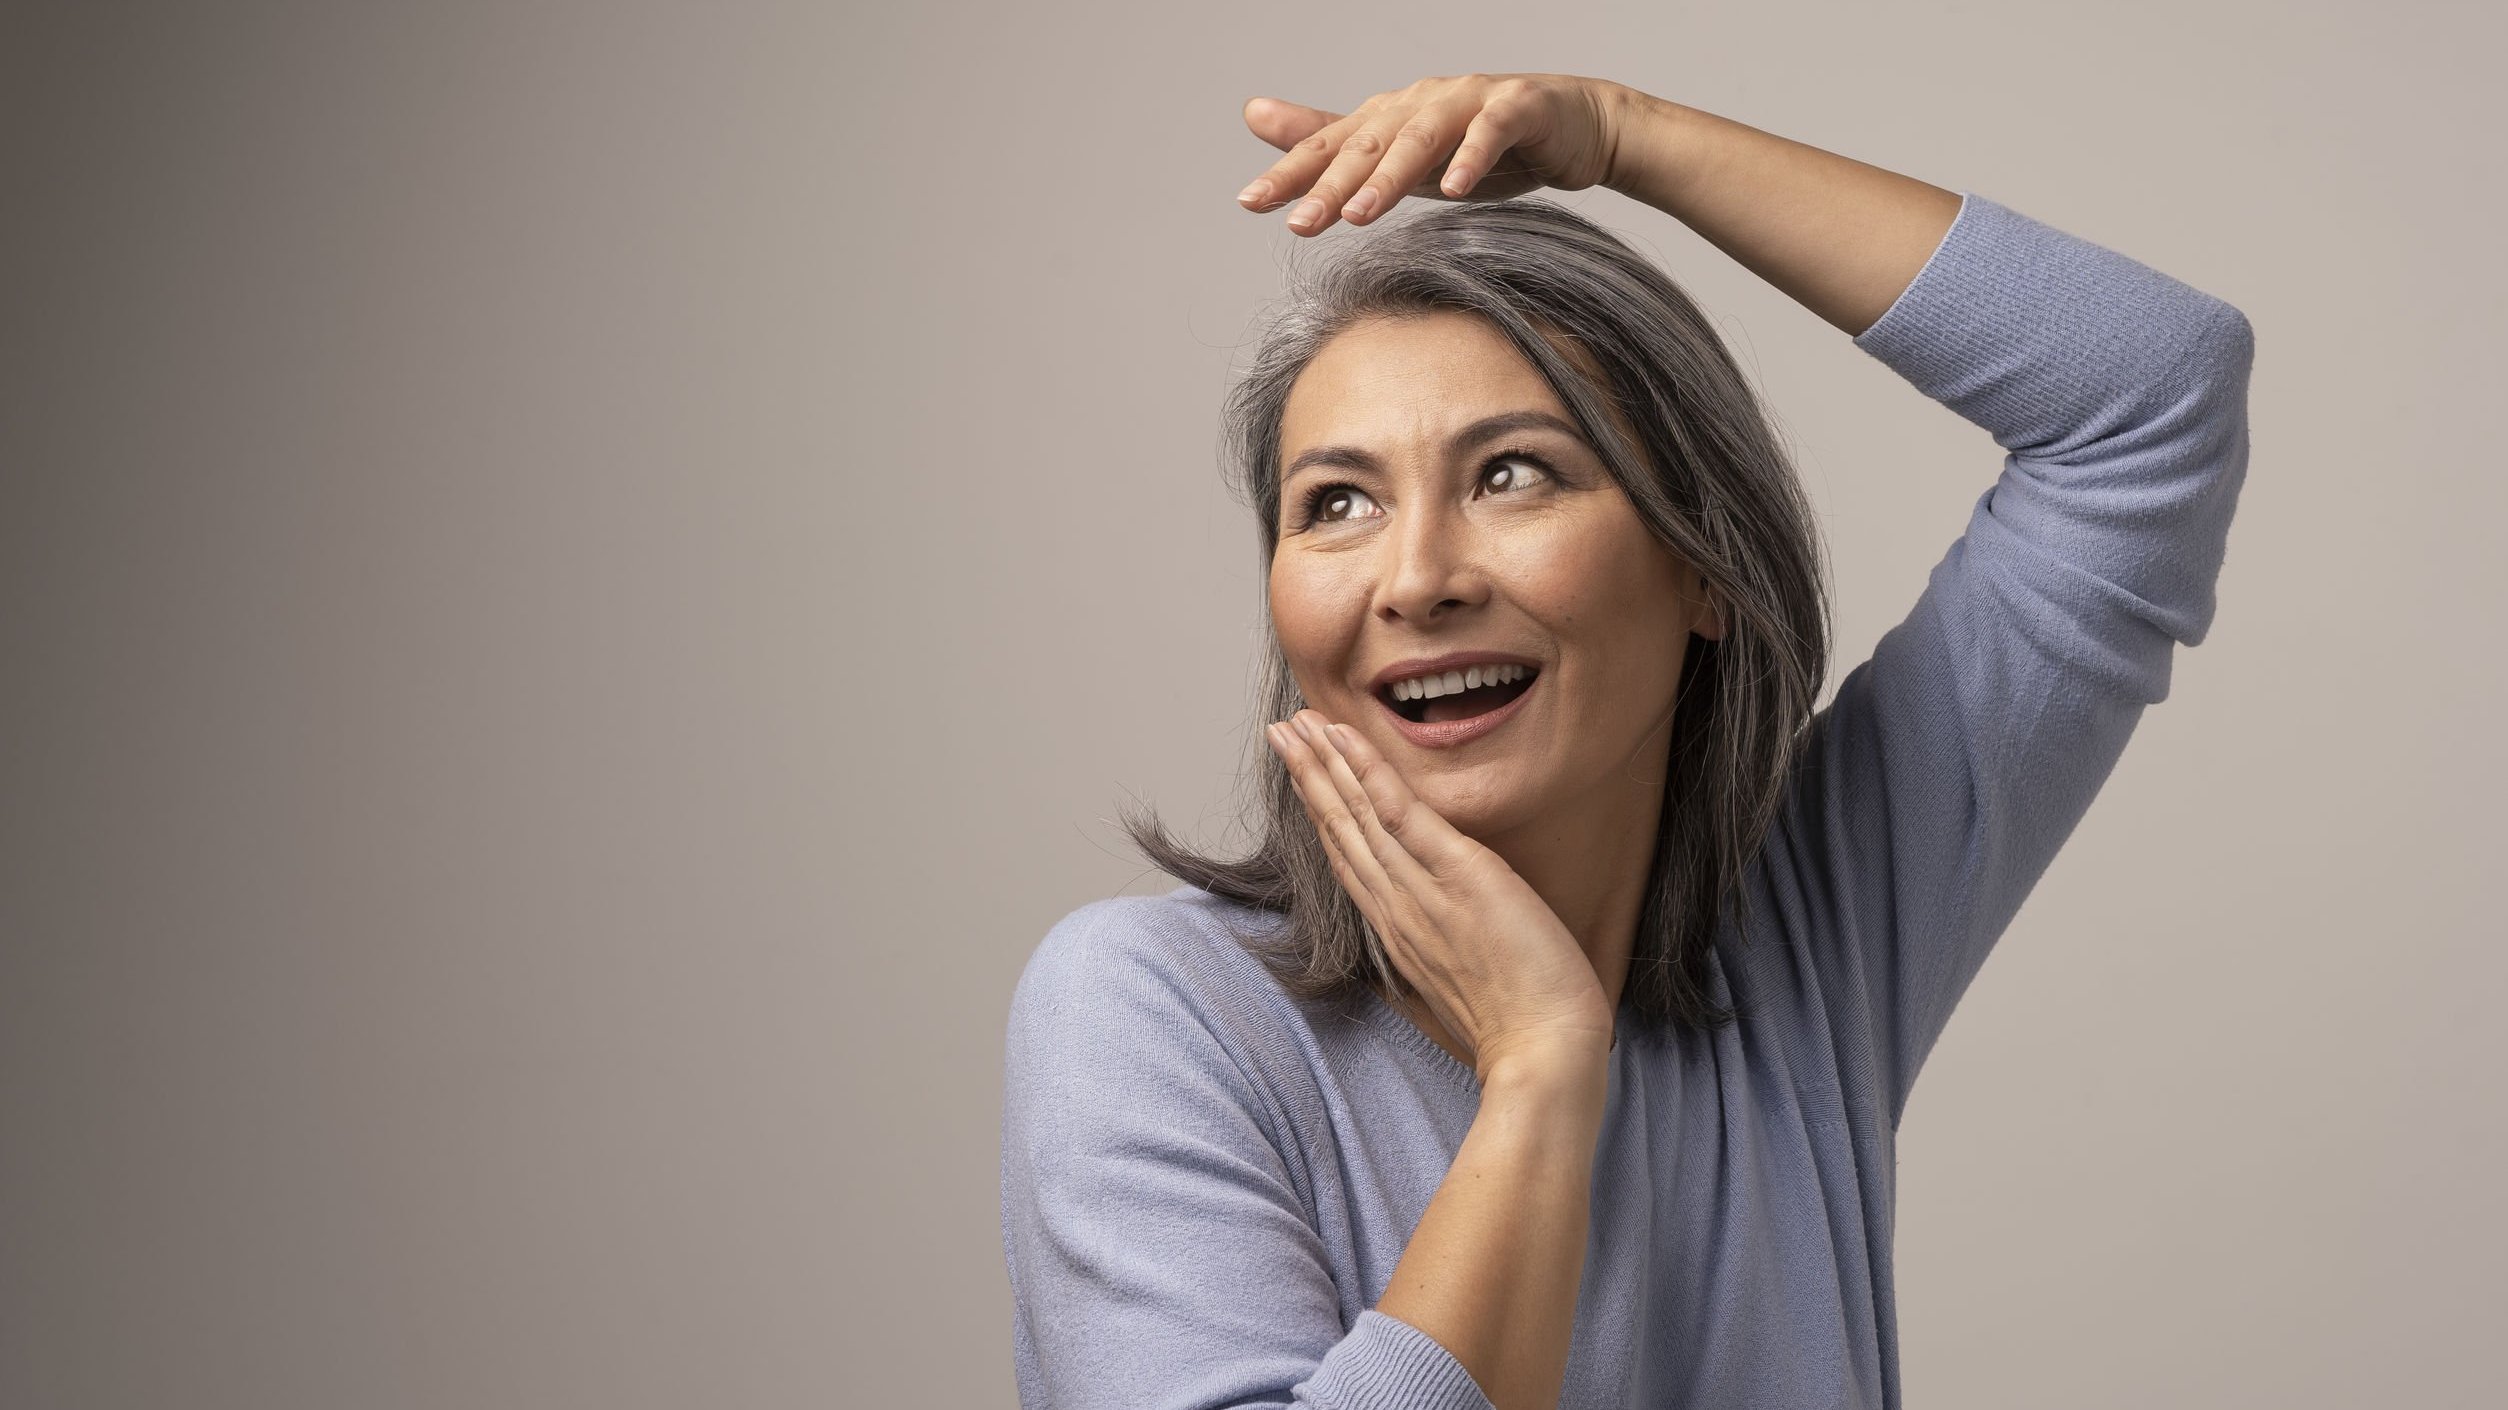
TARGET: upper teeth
(1430,687)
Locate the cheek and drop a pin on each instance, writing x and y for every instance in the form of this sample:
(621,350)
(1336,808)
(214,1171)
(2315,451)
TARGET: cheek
(1614,604)
(1312,615)
(1292,610)
(1582,586)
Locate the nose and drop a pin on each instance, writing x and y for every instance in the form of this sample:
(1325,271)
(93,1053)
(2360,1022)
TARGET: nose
(1431,565)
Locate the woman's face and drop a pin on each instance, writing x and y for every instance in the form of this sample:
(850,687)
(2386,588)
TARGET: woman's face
(1404,536)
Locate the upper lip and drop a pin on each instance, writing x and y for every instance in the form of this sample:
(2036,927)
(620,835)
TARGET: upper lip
(1451,661)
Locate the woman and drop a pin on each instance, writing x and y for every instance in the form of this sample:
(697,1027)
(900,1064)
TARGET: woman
(1551,1049)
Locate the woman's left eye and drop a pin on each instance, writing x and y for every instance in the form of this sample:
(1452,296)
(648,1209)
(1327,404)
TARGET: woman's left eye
(1311,510)
(1513,460)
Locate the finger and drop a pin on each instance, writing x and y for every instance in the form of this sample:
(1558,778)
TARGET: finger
(1301,779)
(1362,148)
(1283,744)
(1391,853)
(1340,831)
(1373,907)
(1377,906)
(1417,149)
(1374,903)
(1418,835)
(1498,126)
(1305,159)
(1284,124)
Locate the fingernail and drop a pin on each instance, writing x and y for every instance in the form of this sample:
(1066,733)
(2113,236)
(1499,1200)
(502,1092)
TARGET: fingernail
(1254,194)
(1309,212)
(1360,205)
(1305,731)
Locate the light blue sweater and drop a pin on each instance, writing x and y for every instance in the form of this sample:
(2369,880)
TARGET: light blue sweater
(1205,1187)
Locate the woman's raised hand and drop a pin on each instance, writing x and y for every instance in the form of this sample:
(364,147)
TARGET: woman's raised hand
(1440,138)
(1496,965)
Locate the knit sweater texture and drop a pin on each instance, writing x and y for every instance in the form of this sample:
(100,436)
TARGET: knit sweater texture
(1205,1186)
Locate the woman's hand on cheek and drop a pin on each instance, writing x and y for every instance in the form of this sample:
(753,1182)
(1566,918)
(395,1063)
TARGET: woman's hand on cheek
(1496,965)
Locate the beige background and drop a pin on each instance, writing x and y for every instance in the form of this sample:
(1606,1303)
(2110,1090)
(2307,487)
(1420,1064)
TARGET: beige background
(578,585)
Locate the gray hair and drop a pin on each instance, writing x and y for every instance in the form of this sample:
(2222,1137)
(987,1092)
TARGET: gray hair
(1682,432)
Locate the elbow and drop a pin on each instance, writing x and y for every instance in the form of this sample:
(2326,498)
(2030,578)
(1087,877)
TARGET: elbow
(2197,417)
(2224,352)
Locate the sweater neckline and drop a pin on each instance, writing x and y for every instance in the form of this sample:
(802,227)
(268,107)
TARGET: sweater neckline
(1397,1025)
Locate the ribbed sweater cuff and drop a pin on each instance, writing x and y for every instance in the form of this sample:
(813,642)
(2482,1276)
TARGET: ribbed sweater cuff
(1386,1363)
(2024,328)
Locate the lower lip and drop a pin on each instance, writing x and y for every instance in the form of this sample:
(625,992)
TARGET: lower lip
(1445,734)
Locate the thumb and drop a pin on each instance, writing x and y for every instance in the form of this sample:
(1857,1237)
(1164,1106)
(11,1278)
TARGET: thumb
(1285,124)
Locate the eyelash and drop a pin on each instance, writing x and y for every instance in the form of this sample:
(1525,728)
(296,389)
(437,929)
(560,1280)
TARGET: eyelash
(1313,499)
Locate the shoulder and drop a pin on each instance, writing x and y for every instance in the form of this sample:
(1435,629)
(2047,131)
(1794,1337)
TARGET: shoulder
(1123,961)
(1148,1010)
(1187,938)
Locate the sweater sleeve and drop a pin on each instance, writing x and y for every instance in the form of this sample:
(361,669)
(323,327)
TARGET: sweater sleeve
(1950,766)
(1159,1250)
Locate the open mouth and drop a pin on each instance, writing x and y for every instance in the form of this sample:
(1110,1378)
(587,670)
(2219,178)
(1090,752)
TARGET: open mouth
(1462,705)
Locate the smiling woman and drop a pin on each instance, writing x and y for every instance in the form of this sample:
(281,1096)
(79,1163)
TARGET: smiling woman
(1642,962)
(1500,432)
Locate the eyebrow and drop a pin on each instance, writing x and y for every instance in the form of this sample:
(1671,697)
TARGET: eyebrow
(1485,429)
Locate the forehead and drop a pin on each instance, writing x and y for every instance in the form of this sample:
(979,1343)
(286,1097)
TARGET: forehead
(1398,383)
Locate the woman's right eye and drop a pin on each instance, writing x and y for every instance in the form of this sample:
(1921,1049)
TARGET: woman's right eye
(1318,498)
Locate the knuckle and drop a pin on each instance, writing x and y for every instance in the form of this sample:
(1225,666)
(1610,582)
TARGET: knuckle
(1366,139)
(1330,844)
(1474,871)
(1421,131)
(1346,832)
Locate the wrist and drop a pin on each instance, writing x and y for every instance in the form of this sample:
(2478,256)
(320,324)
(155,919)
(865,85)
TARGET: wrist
(1654,147)
(1550,1073)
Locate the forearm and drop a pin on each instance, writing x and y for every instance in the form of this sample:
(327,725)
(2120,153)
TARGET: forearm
(1838,236)
(1493,1268)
